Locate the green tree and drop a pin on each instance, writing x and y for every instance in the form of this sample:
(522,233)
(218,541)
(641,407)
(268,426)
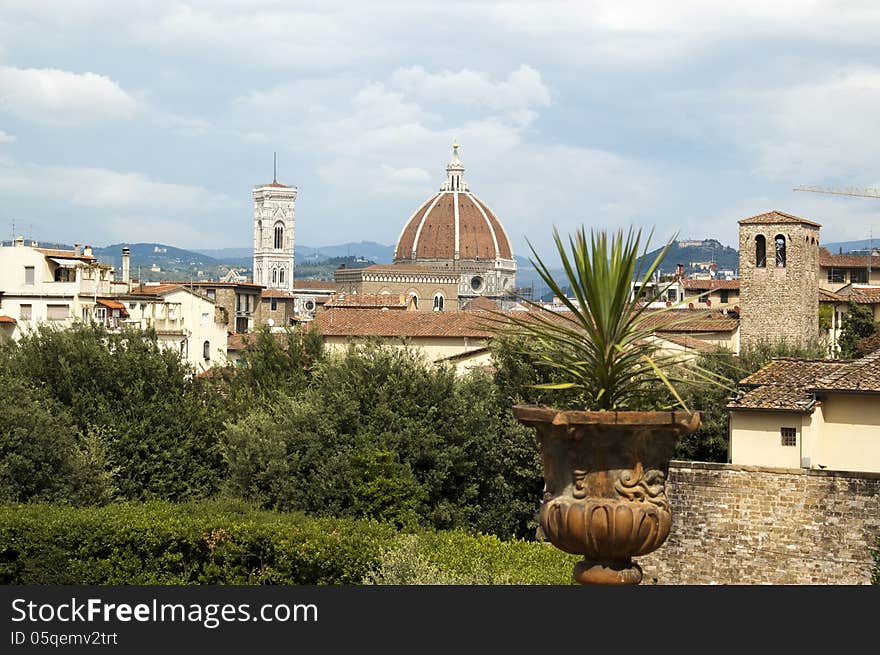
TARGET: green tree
(381,433)
(159,422)
(276,362)
(857,324)
(37,443)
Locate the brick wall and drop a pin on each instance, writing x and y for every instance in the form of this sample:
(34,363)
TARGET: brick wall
(752,525)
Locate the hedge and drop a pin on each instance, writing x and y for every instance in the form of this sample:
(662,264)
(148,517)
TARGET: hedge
(229,542)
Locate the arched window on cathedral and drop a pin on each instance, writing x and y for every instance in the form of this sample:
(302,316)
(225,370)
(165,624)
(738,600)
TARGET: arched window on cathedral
(760,251)
(206,351)
(274,276)
(279,236)
(780,251)
(281,276)
(438,302)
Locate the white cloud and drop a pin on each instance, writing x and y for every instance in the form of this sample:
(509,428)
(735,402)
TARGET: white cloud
(523,88)
(102,188)
(101,206)
(821,129)
(6,138)
(51,95)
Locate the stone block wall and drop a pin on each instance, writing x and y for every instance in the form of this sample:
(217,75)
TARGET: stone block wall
(779,303)
(752,525)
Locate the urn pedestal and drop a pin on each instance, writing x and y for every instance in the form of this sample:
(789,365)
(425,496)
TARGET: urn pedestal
(605,485)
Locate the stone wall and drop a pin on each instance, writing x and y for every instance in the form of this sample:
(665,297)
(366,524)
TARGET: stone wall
(779,302)
(753,525)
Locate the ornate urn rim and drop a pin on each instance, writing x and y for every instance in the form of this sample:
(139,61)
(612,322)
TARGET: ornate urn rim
(531,414)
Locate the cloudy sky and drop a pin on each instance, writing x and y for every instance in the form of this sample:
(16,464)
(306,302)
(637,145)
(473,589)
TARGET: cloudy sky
(128,122)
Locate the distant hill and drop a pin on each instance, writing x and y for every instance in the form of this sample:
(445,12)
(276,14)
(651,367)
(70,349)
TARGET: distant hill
(376,252)
(695,254)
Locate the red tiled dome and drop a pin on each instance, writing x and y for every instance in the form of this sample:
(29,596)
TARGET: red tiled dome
(453,224)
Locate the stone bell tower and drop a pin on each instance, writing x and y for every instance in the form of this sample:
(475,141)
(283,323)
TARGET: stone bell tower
(273,235)
(779,279)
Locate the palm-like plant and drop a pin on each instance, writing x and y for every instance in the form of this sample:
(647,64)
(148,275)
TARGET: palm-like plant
(603,344)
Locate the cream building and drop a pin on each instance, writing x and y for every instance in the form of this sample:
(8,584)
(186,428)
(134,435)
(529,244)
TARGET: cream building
(41,285)
(185,320)
(809,414)
(459,338)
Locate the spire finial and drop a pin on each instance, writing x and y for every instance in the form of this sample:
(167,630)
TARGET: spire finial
(274,166)
(454,172)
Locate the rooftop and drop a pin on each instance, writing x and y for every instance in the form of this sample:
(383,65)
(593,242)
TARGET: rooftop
(858,376)
(386,323)
(701,285)
(846,260)
(777,217)
(691,320)
(789,384)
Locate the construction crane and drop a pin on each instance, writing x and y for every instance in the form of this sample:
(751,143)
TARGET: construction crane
(860,192)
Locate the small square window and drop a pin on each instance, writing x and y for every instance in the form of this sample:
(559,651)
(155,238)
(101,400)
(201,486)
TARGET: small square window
(789,436)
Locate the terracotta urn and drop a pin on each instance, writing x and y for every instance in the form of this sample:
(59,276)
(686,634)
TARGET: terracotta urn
(605,485)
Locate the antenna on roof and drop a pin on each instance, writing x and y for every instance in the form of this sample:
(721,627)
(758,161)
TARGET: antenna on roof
(274,166)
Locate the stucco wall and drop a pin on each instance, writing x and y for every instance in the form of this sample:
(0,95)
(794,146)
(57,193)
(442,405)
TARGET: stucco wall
(749,525)
(758,441)
(851,433)
(433,348)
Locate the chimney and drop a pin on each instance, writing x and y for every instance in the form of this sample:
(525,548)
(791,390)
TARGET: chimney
(87,251)
(76,249)
(126,266)
(679,271)
(18,242)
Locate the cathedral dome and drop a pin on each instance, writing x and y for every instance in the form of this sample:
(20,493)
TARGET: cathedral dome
(453,225)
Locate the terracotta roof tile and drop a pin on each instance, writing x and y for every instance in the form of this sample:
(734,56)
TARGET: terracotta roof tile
(7,319)
(431,233)
(784,385)
(830,296)
(828,259)
(703,285)
(113,304)
(869,344)
(481,303)
(156,289)
(686,320)
(388,323)
(66,254)
(777,217)
(858,376)
(861,295)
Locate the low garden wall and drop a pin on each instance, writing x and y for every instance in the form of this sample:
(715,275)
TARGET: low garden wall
(737,524)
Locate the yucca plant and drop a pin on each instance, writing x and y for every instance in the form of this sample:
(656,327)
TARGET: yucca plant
(602,346)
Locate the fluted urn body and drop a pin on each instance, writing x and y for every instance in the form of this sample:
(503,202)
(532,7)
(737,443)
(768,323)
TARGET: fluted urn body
(605,485)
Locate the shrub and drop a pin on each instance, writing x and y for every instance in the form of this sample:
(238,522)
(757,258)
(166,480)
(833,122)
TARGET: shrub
(192,543)
(230,542)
